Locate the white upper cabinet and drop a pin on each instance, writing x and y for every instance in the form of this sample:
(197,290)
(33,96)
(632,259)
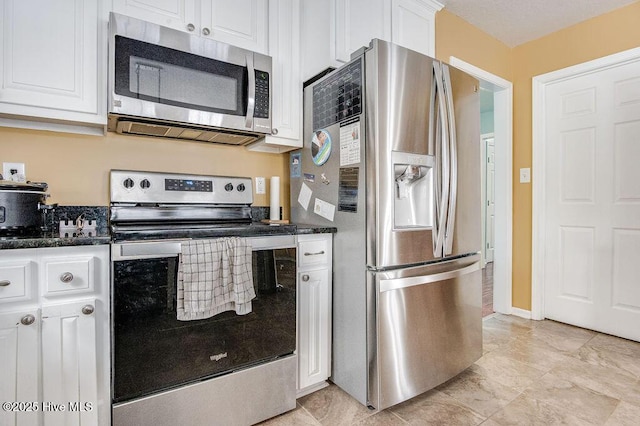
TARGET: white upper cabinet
(176,14)
(242,23)
(286,78)
(334,29)
(356,22)
(50,61)
(414,25)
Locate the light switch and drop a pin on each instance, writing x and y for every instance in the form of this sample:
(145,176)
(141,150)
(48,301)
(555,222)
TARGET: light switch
(525,175)
(260,186)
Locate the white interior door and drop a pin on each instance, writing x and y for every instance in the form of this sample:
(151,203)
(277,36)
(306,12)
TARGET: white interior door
(591,231)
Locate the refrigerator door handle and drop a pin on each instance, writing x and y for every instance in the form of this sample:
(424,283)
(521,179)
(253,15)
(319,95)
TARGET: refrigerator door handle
(398,283)
(443,203)
(434,135)
(453,157)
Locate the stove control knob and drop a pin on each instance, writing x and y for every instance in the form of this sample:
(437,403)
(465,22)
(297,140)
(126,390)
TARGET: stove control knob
(128,183)
(228,187)
(144,184)
(241,187)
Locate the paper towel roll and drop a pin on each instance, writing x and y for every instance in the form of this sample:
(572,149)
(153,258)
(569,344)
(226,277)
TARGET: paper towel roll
(274,204)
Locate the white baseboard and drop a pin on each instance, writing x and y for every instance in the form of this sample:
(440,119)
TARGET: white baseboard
(520,313)
(310,389)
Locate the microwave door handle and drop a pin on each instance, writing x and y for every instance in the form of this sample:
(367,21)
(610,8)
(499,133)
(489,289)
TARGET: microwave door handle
(453,156)
(251,99)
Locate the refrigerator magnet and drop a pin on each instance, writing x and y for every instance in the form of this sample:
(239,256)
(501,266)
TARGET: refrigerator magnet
(320,147)
(295,165)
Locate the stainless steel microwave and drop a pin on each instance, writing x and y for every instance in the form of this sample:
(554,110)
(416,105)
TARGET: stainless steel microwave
(167,83)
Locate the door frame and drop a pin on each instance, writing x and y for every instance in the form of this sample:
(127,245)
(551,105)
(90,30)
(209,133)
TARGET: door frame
(483,158)
(540,83)
(503,133)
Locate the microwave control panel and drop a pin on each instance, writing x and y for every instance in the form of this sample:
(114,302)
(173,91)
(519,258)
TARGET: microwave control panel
(262,95)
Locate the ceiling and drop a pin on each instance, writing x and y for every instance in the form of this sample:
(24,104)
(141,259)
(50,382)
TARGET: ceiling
(515,22)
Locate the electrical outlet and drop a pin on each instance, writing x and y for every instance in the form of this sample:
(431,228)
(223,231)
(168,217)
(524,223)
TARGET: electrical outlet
(14,172)
(261,186)
(525,175)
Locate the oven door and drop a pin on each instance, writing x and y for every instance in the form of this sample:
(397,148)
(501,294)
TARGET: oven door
(153,351)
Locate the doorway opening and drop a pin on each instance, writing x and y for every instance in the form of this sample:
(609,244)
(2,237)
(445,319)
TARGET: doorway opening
(500,91)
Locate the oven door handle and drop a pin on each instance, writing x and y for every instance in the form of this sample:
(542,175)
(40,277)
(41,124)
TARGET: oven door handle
(145,250)
(171,248)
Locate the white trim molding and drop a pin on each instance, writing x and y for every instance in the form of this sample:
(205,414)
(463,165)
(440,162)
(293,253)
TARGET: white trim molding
(522,313)
(503,132)
(540,84)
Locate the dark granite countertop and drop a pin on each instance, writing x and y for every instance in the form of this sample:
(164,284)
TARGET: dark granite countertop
(256,229)
(99,216)
(53,239)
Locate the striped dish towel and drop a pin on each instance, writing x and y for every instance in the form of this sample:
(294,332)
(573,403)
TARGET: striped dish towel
(214,276)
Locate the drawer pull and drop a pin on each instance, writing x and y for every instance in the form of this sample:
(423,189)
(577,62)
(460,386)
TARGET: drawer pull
(28,319)
(305,278)
(88,309)
(5,283)
(67,277)
(314,254)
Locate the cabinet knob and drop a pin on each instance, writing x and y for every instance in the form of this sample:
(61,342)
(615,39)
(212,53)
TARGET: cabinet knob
(305,278)
(67,277)
(28,319)
(88,309)
(4,283)
(274,132)
(191,27)
(206,31)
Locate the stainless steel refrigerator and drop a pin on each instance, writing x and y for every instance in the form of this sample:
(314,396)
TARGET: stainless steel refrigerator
(391,158)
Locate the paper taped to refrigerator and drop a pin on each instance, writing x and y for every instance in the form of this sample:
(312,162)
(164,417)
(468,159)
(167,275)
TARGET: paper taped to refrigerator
(350,143)
(305,196)
(324,209)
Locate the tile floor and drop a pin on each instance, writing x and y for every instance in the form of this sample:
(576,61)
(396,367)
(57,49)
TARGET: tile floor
(531,373)
(487,290)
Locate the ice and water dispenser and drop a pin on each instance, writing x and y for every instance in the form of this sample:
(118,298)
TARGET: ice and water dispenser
(413,201)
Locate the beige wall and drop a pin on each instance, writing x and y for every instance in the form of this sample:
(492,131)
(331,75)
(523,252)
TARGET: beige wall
(76,167)
(456,37)
(601,36)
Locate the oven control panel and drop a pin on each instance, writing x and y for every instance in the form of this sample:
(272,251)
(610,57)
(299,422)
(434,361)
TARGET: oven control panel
(128,186)
(188,185)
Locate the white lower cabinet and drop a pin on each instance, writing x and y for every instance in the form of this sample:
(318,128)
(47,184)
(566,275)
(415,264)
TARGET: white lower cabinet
(314,311)
(19,343)
(69,364)
(54,346)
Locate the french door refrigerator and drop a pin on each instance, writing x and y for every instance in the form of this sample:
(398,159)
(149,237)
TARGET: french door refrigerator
(391,158)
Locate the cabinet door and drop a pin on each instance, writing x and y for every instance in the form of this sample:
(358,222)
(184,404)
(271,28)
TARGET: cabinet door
(176,14)
(69,366)
(314,325)
(242,23)
(19,371)
(357,22)
(49,59)
(286,78)
(414,25)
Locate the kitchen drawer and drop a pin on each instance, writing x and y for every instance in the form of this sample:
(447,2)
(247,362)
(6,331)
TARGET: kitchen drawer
(14,281)
(315,252)
(68,276)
